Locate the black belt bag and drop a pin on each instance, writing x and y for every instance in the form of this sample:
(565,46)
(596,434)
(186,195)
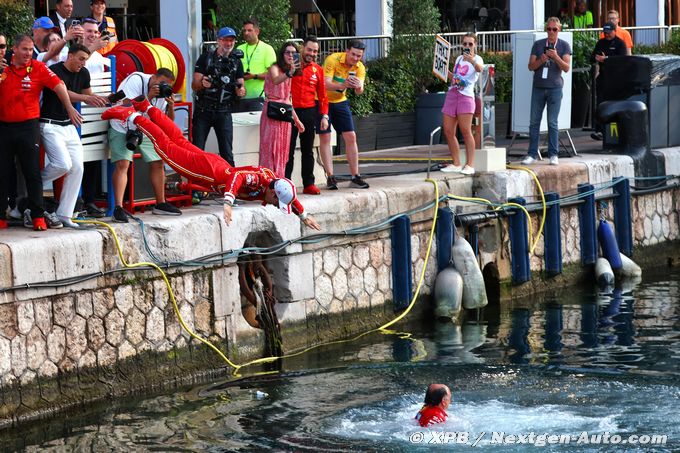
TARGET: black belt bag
(279,111)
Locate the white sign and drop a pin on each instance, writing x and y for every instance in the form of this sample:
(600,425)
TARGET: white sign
(442,51)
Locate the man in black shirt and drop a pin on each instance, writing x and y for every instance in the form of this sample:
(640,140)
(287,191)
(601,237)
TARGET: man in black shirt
(606,47)
(217,81)
(60,137)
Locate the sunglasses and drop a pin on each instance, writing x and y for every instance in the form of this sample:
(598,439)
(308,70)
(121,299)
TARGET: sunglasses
(290,52)
(3,46)
(552,29)
(468,44)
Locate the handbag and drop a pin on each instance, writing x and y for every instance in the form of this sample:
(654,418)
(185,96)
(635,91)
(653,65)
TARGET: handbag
(280,111)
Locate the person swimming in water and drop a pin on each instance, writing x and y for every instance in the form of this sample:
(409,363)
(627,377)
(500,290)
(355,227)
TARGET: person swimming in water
(437,400)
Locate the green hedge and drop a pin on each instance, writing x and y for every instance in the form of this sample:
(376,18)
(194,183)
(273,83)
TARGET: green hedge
(15,17)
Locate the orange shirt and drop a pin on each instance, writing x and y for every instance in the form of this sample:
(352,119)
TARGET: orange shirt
(308,87)
(20,91)
(624,35)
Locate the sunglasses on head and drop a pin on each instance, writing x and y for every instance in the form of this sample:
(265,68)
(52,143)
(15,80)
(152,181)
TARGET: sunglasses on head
(552,29)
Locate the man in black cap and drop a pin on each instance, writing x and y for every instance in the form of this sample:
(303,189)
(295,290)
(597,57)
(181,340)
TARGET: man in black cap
(609,46)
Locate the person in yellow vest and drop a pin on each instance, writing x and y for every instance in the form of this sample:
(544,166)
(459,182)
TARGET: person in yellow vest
(107,27)
(258,56)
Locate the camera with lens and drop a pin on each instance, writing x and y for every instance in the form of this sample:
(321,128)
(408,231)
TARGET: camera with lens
(220,71)
(105,35)
(132,139)
(164,90)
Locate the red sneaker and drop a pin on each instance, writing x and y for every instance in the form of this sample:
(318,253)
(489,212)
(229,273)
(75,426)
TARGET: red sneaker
(141,104)
(39,224)
(120,112)
(3,224)
(311,190)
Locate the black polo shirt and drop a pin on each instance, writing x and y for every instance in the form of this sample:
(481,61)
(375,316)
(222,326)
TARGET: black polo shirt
(52,107)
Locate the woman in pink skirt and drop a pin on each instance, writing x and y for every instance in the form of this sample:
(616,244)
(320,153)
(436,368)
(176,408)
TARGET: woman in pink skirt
(459,106)
(275,134)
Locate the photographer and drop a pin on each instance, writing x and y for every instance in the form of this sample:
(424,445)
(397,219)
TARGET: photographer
(217,82)
(123,143)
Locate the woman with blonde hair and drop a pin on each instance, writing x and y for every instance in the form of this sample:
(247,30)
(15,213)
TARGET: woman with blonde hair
(459,106)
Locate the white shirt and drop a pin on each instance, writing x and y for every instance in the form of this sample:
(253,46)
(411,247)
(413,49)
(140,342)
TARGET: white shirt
(62,24)
(465,76)
(96,63)
(63,54)
(137,84)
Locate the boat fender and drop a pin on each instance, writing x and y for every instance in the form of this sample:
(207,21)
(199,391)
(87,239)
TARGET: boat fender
(604,275)
(448,293)
(610,249)
(629,268)
(465,261)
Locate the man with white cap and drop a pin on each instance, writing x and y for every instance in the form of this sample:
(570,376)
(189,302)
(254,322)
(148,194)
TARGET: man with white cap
(210,170)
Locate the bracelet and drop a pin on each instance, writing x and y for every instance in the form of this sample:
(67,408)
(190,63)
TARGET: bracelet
(324,117)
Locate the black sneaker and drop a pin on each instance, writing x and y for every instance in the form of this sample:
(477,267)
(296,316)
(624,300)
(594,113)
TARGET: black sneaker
(358,182)
(119,215)
(596,136)
(94,211)
(165,208)
(331,183)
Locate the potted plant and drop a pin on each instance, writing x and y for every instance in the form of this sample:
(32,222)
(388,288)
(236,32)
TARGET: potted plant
(584,43)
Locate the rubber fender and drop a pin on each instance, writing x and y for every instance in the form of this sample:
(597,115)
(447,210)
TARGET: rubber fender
(448,293)
(610,248)
(465,261)
(604,275)
(629,268)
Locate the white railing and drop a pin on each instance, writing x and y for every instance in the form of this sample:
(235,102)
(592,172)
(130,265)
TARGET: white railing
(377,46)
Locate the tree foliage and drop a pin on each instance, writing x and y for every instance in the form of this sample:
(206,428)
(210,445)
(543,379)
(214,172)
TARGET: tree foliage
(407,70)
(16,17)
(272,16)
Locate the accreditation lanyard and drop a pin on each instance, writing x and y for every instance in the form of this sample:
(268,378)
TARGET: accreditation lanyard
(250,57)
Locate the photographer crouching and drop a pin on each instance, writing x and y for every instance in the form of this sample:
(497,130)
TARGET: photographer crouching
(217,82)
(123,143)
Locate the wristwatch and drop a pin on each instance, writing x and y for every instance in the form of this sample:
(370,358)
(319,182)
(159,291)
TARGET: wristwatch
(255,76)
(324,117)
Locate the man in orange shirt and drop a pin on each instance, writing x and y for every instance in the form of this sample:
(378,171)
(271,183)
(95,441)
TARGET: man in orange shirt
(308,90)
(621,33)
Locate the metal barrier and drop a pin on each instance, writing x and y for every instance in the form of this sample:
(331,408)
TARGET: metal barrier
(378,46)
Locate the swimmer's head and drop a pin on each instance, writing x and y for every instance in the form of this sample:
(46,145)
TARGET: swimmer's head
(438,395)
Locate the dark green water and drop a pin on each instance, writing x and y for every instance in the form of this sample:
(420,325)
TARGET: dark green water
(579,362)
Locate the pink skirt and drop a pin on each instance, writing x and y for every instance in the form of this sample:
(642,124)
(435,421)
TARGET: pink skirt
(456,103)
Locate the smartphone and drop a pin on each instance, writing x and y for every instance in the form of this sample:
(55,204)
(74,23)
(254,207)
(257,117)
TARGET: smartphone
(466,50)
(75,22)
(296,60)
(352,74)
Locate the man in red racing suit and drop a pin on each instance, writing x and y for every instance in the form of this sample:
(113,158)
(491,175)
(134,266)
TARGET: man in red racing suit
(206,169)
(437,400)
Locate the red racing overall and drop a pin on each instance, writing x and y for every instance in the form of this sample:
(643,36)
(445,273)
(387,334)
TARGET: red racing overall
(203,168)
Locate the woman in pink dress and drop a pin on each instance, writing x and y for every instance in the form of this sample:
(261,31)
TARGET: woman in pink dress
(275,134)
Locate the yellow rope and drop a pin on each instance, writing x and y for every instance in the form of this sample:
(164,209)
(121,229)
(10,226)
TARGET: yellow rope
(236,367)
(540,191)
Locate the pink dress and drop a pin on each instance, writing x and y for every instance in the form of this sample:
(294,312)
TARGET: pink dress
(274,134)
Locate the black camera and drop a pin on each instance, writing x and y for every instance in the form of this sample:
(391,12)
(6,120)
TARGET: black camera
(220,72)
(132,139)
(164,90)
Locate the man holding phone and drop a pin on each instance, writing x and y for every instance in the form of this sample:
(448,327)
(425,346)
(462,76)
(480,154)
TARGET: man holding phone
(550,57)
(342,70)
(62,16)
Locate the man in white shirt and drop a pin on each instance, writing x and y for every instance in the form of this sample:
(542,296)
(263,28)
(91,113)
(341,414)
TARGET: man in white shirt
(150,86)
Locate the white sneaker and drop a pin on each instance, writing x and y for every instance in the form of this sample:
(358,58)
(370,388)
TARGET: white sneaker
(451,168)
(468,170)
(554,160)
(528,160)
(14,213)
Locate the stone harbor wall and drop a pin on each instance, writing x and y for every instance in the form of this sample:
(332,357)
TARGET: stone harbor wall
(66,340)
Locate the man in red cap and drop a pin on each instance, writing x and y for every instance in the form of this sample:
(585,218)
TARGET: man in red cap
(209,170)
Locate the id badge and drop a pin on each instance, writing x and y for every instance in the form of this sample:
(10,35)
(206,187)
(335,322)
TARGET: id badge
(545,73)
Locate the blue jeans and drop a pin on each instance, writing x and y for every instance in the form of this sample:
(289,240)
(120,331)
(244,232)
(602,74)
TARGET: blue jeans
(224,131)
(539,98)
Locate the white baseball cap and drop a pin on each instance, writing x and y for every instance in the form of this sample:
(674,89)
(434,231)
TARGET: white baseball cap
(285,192)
